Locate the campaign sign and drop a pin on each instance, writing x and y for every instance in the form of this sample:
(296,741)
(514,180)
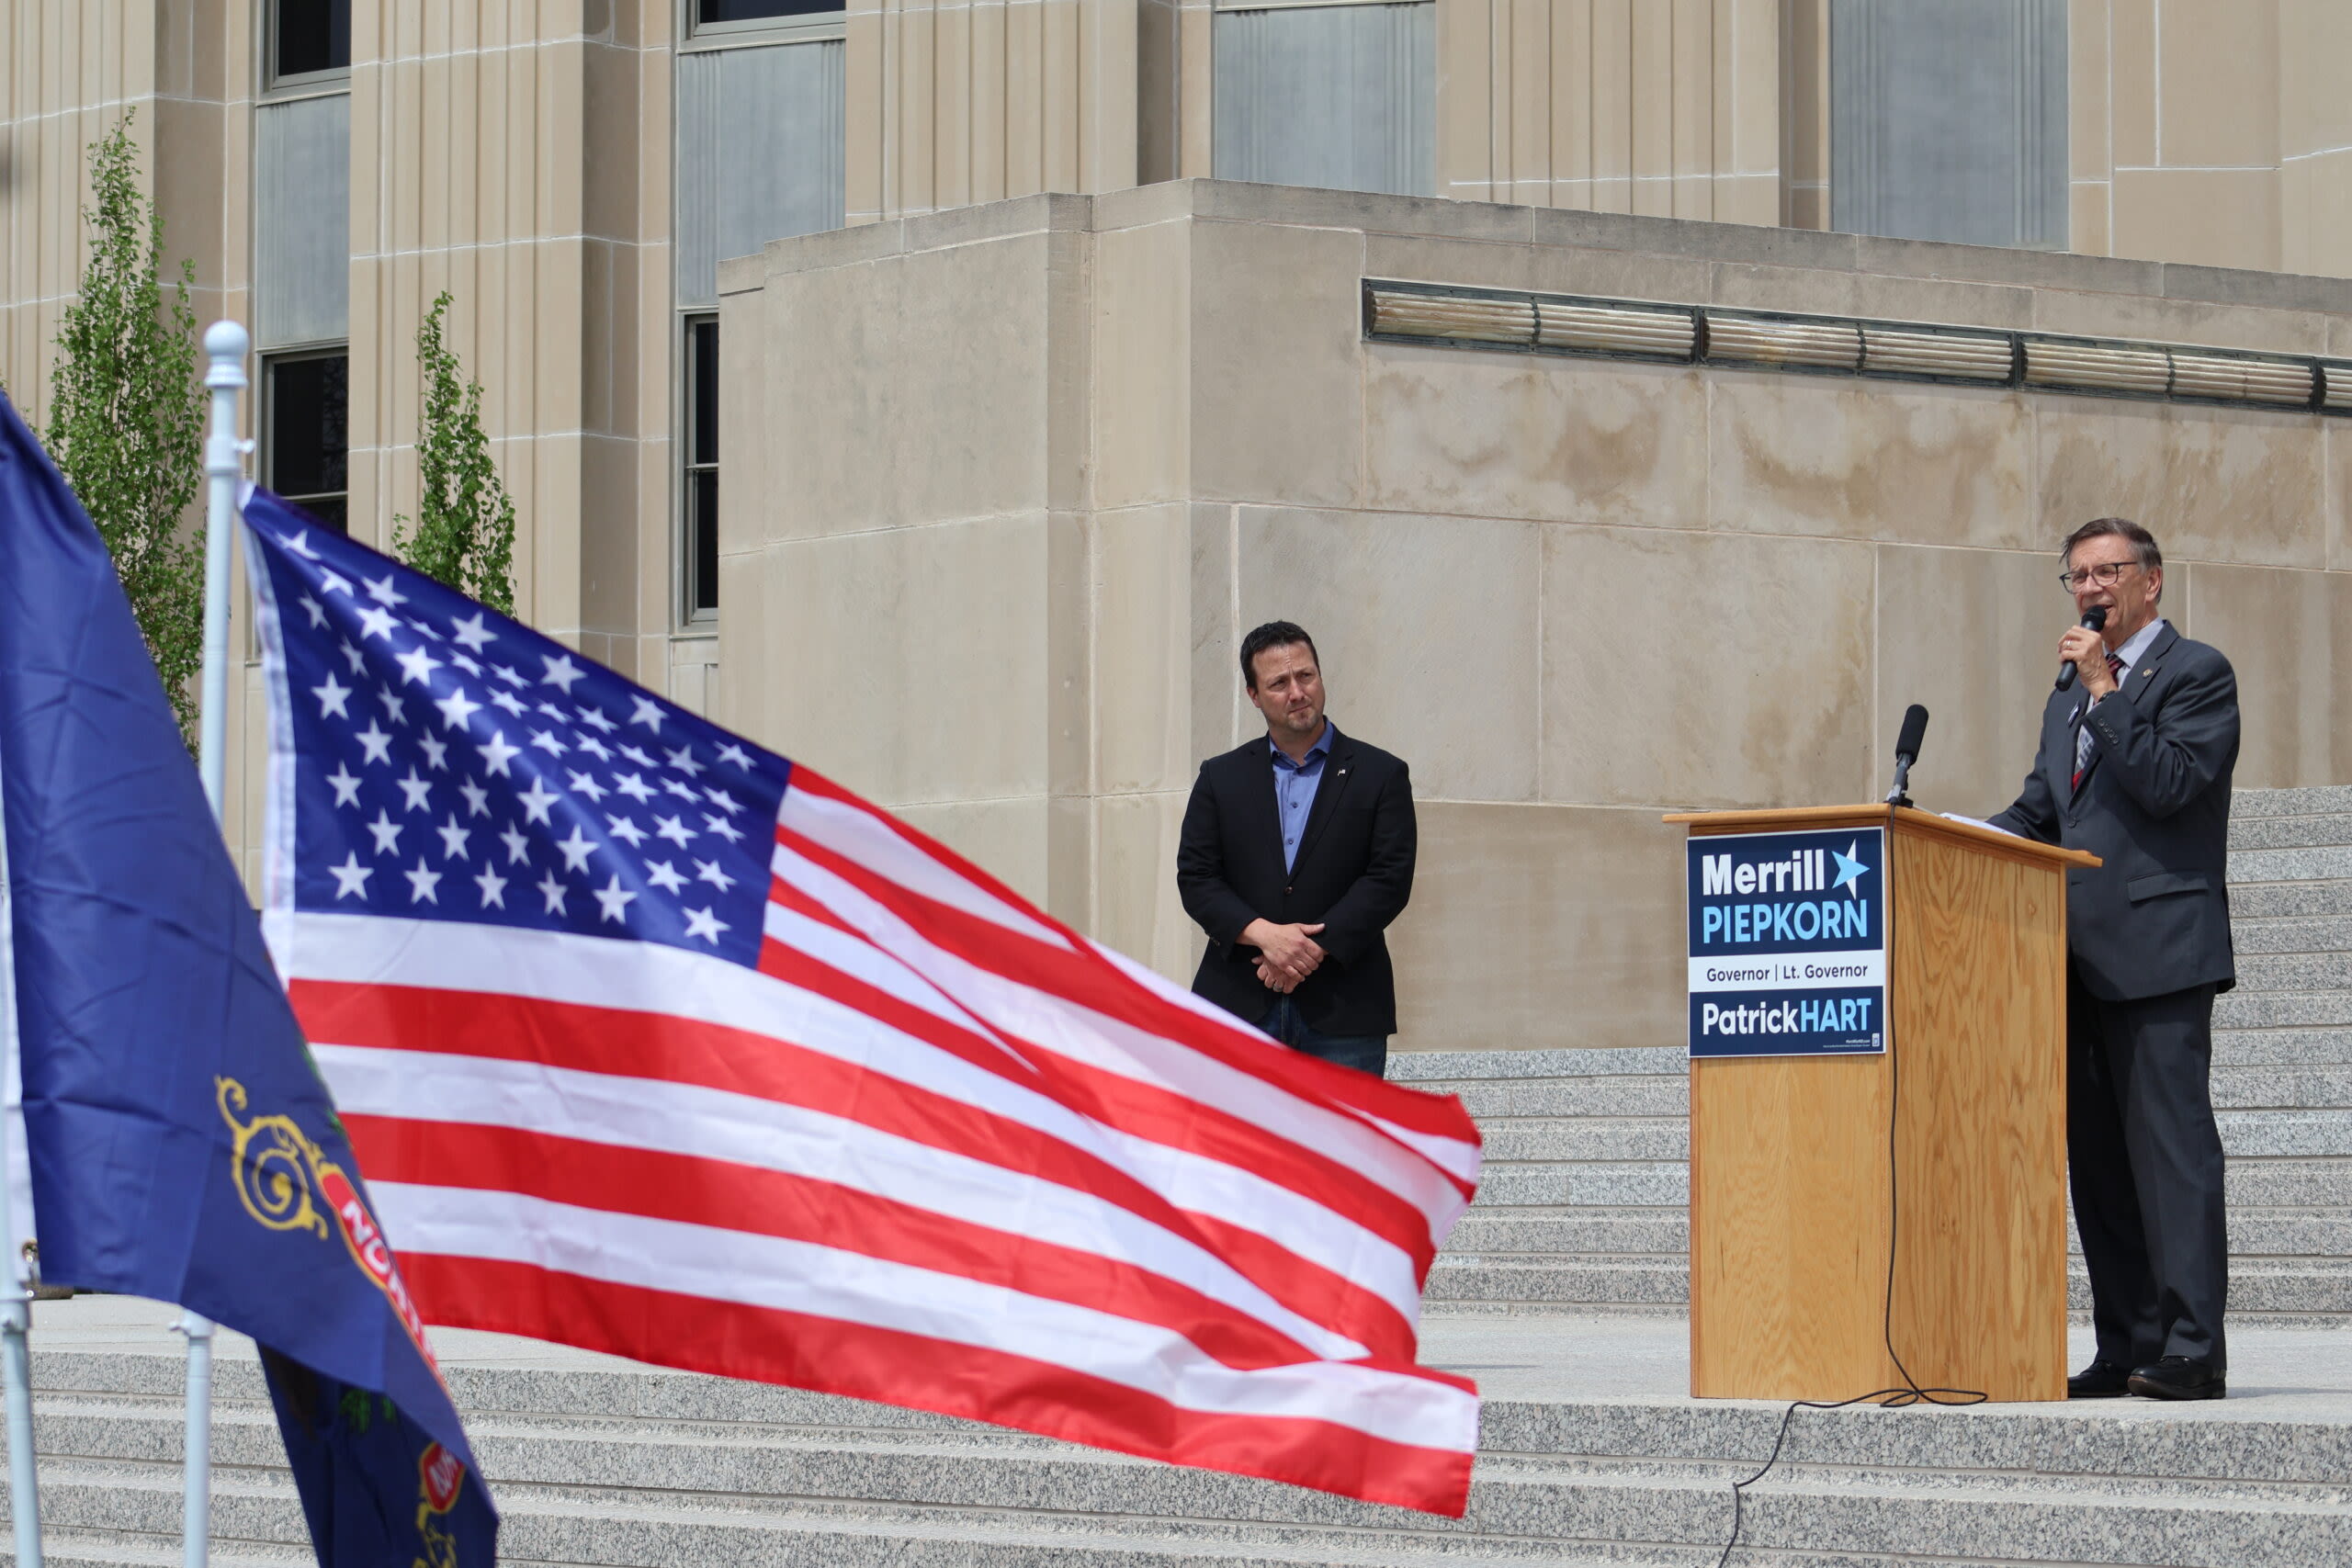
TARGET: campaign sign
(1788,944)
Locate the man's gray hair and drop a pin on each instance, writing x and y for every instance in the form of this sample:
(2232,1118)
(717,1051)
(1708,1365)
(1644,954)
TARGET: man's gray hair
(2144,548)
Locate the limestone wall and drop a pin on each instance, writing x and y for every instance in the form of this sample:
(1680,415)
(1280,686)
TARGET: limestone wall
(1026,473)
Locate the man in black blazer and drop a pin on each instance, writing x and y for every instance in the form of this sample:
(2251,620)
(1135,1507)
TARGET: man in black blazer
(2135,767)
(1296,853)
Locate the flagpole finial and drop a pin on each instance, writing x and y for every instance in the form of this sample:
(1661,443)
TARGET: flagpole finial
(226,343)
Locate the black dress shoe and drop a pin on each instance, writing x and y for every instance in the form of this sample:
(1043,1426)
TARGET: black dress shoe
(2177,1377)
(2101,1380)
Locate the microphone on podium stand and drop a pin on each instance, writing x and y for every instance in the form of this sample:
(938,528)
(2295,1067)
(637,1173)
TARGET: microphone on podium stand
(2094,620)
(1906,751)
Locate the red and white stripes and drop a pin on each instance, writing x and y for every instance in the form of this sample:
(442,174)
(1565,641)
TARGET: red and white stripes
(937,1150)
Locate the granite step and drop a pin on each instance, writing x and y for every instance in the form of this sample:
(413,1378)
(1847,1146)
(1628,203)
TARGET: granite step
(2314,1290)
(2256,1134)
(1637,1234)
(2282,832)
(2319,862)
(138,1549)
(2314,800)
(2271,901)
(2270,972)
(631,1468)
(2283,1009)
(2292,933)
(2288,1081)
(2295,1182)
(2287,1047)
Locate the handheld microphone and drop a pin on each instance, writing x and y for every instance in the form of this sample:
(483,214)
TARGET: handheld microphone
(2094,619)
(1906,751)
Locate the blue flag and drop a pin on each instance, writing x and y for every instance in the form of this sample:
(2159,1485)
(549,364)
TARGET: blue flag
(182,1146)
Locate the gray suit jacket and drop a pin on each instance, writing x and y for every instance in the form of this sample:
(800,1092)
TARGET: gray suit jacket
(2156,807)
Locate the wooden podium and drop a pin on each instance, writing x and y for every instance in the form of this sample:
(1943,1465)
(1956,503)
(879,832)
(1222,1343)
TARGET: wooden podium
(1789,1171)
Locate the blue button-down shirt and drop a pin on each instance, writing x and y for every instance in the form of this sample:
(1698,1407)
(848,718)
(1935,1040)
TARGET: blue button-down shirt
(1295,787)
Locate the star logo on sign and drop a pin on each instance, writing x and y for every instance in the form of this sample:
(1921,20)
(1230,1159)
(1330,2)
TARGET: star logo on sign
(1850,870)
(351,877)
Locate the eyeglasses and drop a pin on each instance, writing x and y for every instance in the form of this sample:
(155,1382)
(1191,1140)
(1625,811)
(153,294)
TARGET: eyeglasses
(2105,574)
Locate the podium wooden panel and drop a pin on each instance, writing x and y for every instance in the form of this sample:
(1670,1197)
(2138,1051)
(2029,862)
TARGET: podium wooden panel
(1790,1174)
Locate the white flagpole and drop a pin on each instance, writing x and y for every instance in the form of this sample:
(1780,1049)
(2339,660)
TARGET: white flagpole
(15,1300)
(225,344)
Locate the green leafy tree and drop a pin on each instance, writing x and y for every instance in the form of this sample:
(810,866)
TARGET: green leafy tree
(465,524)
(127,413)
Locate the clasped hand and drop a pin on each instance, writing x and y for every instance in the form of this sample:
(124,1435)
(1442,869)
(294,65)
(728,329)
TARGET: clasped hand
(1286,954)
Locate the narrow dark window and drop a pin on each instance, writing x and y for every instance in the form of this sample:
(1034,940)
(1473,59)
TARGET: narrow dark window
(701,475)
(720,12)
(306,434)
(308,38)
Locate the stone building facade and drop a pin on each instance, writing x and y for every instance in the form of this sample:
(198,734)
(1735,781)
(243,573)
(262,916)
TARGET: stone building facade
(575,172)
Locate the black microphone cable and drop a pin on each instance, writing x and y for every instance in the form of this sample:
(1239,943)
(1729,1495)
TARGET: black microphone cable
(1910,1393)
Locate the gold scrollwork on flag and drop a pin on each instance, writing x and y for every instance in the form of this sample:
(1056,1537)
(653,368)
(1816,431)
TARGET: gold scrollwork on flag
(278,1170)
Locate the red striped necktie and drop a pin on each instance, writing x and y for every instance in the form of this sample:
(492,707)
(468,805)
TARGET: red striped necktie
(2083,733)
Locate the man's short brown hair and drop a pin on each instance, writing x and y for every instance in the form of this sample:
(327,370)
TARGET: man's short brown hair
(2144,548)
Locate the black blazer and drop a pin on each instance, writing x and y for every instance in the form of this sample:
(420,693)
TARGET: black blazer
(2156,807)
(1354,873)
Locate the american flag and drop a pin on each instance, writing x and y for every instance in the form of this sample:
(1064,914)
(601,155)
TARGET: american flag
(652,1042)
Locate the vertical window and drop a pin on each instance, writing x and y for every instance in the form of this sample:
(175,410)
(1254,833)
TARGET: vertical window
(1337,96)
(1949,121)
(701,468)
(305,433)
(308,39)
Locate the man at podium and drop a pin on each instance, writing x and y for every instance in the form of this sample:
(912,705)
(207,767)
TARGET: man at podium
(2134,766)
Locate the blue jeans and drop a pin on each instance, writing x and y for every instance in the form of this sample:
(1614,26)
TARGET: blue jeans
(1365,1052)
